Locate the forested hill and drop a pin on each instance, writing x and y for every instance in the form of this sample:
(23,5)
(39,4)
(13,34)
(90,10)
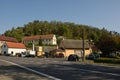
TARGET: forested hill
(66,29)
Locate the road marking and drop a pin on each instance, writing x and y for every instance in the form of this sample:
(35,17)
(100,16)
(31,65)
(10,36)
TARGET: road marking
(32,70)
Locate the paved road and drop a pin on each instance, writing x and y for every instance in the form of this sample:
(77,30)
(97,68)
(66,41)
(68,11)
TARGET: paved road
(64,70)
(9,71)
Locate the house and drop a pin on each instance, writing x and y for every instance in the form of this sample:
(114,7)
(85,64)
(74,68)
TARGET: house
(11,48)
(49,39)
(4,39)
(75,47)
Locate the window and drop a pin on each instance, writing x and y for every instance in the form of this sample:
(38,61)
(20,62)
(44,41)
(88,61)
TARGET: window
(4,52)
(11,52)
(4,46)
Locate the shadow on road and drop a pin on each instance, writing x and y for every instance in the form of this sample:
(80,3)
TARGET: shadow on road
(76,72)
(15,73)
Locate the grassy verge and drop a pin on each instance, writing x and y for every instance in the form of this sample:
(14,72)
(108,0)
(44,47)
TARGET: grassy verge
(101,62)
(107,60)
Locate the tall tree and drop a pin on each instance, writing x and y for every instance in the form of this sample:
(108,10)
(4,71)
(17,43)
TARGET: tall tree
(106,44)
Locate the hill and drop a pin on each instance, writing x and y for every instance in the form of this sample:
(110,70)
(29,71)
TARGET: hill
(105,41)
(66,29)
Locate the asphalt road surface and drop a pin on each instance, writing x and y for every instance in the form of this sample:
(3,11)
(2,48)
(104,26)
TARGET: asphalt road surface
(19,68)
(9,71)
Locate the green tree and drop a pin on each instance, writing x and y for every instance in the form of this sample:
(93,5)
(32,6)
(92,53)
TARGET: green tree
(68,30)
(106,44)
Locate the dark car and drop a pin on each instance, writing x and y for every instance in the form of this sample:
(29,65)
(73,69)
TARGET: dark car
(73,57)
(93,56)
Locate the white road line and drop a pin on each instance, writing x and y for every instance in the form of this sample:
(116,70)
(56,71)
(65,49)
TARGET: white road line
(29,69)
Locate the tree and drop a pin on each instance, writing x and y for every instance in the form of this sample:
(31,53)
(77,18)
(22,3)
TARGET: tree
(65,29)
(106,44)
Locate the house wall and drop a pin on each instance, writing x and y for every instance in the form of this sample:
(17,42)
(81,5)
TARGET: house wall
(88,51)
(68,52)
(6,50)
(74,51)
(48,41)
(54,40)
(1,43)
(15,50)
(60,52)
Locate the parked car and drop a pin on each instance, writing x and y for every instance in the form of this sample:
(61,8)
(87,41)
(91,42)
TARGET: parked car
(46,54)
(61,55)
(18,54)
(28,54)
(73,57)
(93,56)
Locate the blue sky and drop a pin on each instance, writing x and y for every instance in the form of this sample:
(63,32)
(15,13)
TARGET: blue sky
(96,13)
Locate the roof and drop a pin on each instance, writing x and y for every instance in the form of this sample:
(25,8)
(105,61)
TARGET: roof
(9,39)
(49,48)
(37,37)
(58,50)
(15,45)
(73,44)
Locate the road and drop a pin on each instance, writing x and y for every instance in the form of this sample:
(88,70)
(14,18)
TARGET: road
(9,71)
(60,69)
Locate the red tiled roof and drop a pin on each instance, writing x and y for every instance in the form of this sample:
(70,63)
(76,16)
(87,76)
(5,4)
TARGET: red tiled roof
(10,39)
(15,45)
(38,37)
(31,38)
(47,36)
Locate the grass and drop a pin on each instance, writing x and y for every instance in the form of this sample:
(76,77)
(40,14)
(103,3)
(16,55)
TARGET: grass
(101,64)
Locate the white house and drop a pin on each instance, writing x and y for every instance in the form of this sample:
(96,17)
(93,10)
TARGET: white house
(4,39)
(49,39)
(12,48)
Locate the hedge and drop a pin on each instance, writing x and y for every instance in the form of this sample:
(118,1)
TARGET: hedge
(107,60)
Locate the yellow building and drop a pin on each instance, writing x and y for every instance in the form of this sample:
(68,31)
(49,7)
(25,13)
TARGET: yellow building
(75,47)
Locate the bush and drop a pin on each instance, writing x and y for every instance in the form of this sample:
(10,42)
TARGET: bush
(107,60)
(92,56)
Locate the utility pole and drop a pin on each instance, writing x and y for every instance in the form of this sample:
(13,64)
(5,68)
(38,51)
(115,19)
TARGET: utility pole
(83,44)
(40,39)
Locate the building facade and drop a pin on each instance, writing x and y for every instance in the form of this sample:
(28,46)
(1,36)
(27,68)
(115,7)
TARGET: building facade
(75,47)
(4,39)
(11,48)
(46,39)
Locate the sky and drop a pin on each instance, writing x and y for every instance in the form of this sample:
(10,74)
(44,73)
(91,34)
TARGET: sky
(96,13)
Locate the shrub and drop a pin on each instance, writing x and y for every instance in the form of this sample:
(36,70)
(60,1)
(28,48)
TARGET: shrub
(107,60)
